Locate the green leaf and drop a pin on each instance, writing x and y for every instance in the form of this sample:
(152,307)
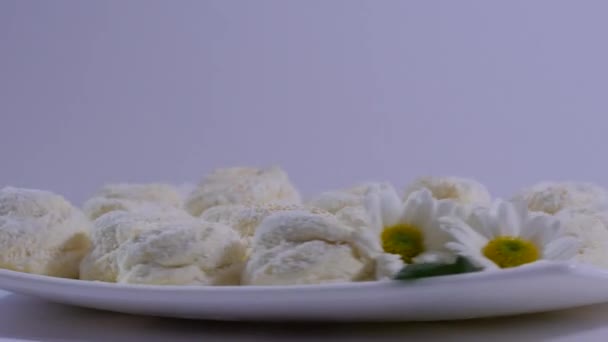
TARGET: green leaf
(417,271)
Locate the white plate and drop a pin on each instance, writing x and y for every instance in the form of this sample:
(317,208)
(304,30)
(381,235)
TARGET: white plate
(533,288)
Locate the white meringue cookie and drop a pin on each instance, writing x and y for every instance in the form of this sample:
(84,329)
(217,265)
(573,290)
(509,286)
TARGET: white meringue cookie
(591,228)
(242,185)
(41,233)
(146,248)
(552,197)
(133,197)
(299,247)
(462,190)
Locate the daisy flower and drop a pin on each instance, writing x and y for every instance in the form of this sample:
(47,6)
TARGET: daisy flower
(508,235)
(411,229)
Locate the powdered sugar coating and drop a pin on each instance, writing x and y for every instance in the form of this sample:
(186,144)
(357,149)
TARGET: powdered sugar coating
(463,190)
(591,228)
(133,197)
(146,248)
(188,253)
(336,200)
(552,197)
(242,185)
(300,247)
(244,218)
(41,233)
(355,217)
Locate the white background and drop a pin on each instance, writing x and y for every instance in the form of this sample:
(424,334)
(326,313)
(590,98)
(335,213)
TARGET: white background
(507,92)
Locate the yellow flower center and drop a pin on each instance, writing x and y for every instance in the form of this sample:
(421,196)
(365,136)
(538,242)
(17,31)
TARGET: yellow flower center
(404,240)
(507,251)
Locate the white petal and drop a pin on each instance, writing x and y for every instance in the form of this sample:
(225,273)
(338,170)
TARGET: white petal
(374,211)
(479,222)
(473,256)
(459,248)
(430,257)
(462,232)
(435,237)
(521,209)
(420,206)
(532,229)
(509,219)
(410,212)
(547,229)
(484,262)
(391,206)
(487,224)
(563,248)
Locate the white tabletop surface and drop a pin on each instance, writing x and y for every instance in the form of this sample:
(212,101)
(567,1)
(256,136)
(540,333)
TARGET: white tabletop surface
(29,319)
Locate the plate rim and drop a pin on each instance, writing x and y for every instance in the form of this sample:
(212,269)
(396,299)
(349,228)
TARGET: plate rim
(489,275)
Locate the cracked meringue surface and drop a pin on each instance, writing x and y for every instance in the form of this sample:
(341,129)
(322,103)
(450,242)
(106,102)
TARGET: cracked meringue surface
(148,248)
(335,200)
(41,233)
(552,197)
(591,229)
(462,190)
(133,197)
(242,185)
(300,247)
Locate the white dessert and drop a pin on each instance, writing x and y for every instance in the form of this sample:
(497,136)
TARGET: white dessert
(146,248)
(111,231)
(41,233)
(552,197)
(244,219)
(133,197)
(463,190)
(190,253)
(242,185)
(336,200)
(356,217)
(591,228)
(299,247)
